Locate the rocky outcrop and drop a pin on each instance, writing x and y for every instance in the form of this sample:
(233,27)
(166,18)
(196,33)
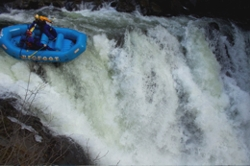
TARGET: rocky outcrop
(25,141)
(234,10)
(213,8)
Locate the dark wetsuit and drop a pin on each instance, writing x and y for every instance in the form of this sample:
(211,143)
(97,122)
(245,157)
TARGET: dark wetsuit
(45,28)
(33,43)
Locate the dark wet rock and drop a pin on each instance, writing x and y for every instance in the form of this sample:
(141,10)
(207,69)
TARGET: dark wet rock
(97,4)
(125,6)
(70,6)
(32,4)
(237,10)
(24,140)
(3,9)
(213,26)
(233,9)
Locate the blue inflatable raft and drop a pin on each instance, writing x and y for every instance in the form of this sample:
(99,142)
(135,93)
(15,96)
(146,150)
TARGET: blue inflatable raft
(68,45)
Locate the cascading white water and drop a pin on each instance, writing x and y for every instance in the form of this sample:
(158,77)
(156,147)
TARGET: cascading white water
(148,90)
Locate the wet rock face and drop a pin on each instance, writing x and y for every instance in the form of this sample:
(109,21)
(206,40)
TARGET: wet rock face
(25,141)
(235,10)
(215,8)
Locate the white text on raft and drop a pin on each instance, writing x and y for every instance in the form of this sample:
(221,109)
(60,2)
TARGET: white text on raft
(35,58)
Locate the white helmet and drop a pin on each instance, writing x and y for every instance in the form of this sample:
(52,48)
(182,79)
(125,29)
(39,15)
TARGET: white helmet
(37,16)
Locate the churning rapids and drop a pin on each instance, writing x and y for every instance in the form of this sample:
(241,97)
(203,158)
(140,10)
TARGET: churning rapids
(147,90)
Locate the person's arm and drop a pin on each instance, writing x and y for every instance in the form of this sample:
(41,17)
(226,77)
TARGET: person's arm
(42,18)
(32,26)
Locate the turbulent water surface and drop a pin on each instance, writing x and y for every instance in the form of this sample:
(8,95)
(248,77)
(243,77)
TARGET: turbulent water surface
(147,90)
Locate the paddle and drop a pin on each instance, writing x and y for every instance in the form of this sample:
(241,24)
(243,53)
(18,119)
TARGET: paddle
(36,51)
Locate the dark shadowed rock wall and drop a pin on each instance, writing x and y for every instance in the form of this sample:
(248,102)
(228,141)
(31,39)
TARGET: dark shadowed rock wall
(233,9)
(25,141)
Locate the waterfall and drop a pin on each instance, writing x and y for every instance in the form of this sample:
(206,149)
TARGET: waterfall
(147,90)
